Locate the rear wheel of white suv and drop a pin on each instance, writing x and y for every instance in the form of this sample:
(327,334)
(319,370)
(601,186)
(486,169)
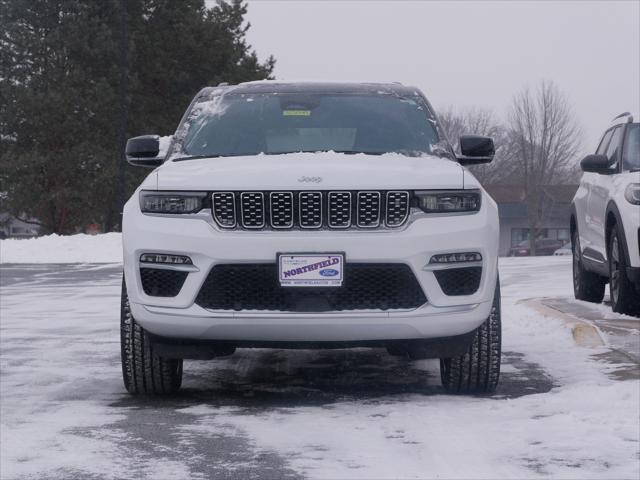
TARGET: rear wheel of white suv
(587,286)
(478,370)
(143,371)
(624,297)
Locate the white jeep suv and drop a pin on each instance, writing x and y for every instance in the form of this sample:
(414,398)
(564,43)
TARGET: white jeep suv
(605,222)
(310,215)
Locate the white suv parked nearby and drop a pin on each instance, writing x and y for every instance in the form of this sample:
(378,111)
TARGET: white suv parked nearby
(309,215)
(605,223)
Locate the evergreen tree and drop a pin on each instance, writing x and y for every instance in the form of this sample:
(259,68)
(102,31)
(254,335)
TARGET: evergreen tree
(62,88)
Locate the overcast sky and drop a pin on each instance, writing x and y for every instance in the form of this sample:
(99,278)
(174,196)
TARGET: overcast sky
(463,53)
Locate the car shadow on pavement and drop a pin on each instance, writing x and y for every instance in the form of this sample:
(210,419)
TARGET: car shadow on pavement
(191,424)
(291,378)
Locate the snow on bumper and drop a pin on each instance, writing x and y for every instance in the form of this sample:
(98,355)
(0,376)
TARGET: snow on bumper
(198,238)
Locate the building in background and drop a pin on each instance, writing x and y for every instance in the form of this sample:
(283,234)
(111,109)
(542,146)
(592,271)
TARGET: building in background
(11,227)
(514,222)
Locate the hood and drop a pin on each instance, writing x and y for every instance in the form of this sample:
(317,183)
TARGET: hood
(311,171)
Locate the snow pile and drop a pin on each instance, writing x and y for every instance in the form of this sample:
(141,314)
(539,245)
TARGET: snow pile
(104,248)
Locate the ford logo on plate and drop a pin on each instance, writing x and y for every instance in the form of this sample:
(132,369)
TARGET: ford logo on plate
(328,272)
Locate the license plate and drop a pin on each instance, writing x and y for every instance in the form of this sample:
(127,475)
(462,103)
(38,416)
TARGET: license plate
(311,270)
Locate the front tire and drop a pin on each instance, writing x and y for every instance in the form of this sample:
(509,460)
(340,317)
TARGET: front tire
(587,286)
(143,371)
(624,298)
(478,370)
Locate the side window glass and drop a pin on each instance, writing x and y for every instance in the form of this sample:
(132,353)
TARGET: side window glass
(613,150)
(631,155)
(604,143)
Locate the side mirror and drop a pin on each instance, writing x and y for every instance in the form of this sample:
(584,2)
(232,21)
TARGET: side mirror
(475,149)
(595,163)
(146,151)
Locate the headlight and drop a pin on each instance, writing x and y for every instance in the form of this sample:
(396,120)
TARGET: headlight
(172,202)
(632,193)
(448,201)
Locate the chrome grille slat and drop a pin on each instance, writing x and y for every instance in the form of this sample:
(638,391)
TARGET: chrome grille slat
(396,208)
(224,209)
(368,210)
(339,210)
(310,209)
(281,209)
(252,209)
(286,210)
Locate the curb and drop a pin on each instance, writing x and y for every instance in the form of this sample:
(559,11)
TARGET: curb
(584,333)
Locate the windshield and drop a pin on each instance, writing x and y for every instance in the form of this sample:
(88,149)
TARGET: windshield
(631,153)
(249,124)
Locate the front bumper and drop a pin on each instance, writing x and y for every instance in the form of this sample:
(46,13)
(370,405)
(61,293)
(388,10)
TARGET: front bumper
(197,237)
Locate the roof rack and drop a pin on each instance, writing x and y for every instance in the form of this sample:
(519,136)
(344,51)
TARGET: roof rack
(622,115)
(223,84)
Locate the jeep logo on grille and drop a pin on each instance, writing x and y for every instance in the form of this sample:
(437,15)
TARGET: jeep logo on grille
(310,179)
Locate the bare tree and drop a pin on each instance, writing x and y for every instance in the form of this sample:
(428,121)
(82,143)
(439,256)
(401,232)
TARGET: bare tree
(479,121)
(545,140)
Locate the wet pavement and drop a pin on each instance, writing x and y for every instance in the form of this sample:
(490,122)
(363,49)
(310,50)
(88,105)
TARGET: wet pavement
(75,356)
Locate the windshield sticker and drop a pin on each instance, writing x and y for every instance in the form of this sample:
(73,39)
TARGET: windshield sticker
(296,113)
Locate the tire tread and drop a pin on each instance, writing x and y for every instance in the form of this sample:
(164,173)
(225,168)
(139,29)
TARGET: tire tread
(143,371)
(478,370)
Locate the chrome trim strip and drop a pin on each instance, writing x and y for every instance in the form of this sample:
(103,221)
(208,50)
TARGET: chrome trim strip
(213,209)
(430,267)
(377,224)
(300,209)
(168,266)
(348,225)
(406,214)
(592,259)
(252,227)
(290,194)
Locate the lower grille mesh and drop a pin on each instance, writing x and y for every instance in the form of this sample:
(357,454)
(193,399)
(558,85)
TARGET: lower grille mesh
(256,287)
(162,283)
(459,281)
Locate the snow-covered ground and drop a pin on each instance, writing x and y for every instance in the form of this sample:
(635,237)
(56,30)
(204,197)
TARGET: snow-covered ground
(559,411)
(81,248)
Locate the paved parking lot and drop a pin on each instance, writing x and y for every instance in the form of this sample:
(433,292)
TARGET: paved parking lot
(293,414)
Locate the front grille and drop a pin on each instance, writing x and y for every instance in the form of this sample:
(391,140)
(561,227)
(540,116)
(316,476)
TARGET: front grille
(365,209)
(162,283)
(459,281)
(365,287)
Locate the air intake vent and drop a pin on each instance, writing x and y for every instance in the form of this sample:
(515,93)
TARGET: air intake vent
(366,286)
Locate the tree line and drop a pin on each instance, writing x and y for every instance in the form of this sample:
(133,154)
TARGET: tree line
(78,77)
(538,145)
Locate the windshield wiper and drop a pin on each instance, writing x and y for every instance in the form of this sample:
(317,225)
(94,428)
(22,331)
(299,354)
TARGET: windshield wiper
(346,152)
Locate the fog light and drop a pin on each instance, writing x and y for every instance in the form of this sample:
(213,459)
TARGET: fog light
(167,259)
(456,257)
